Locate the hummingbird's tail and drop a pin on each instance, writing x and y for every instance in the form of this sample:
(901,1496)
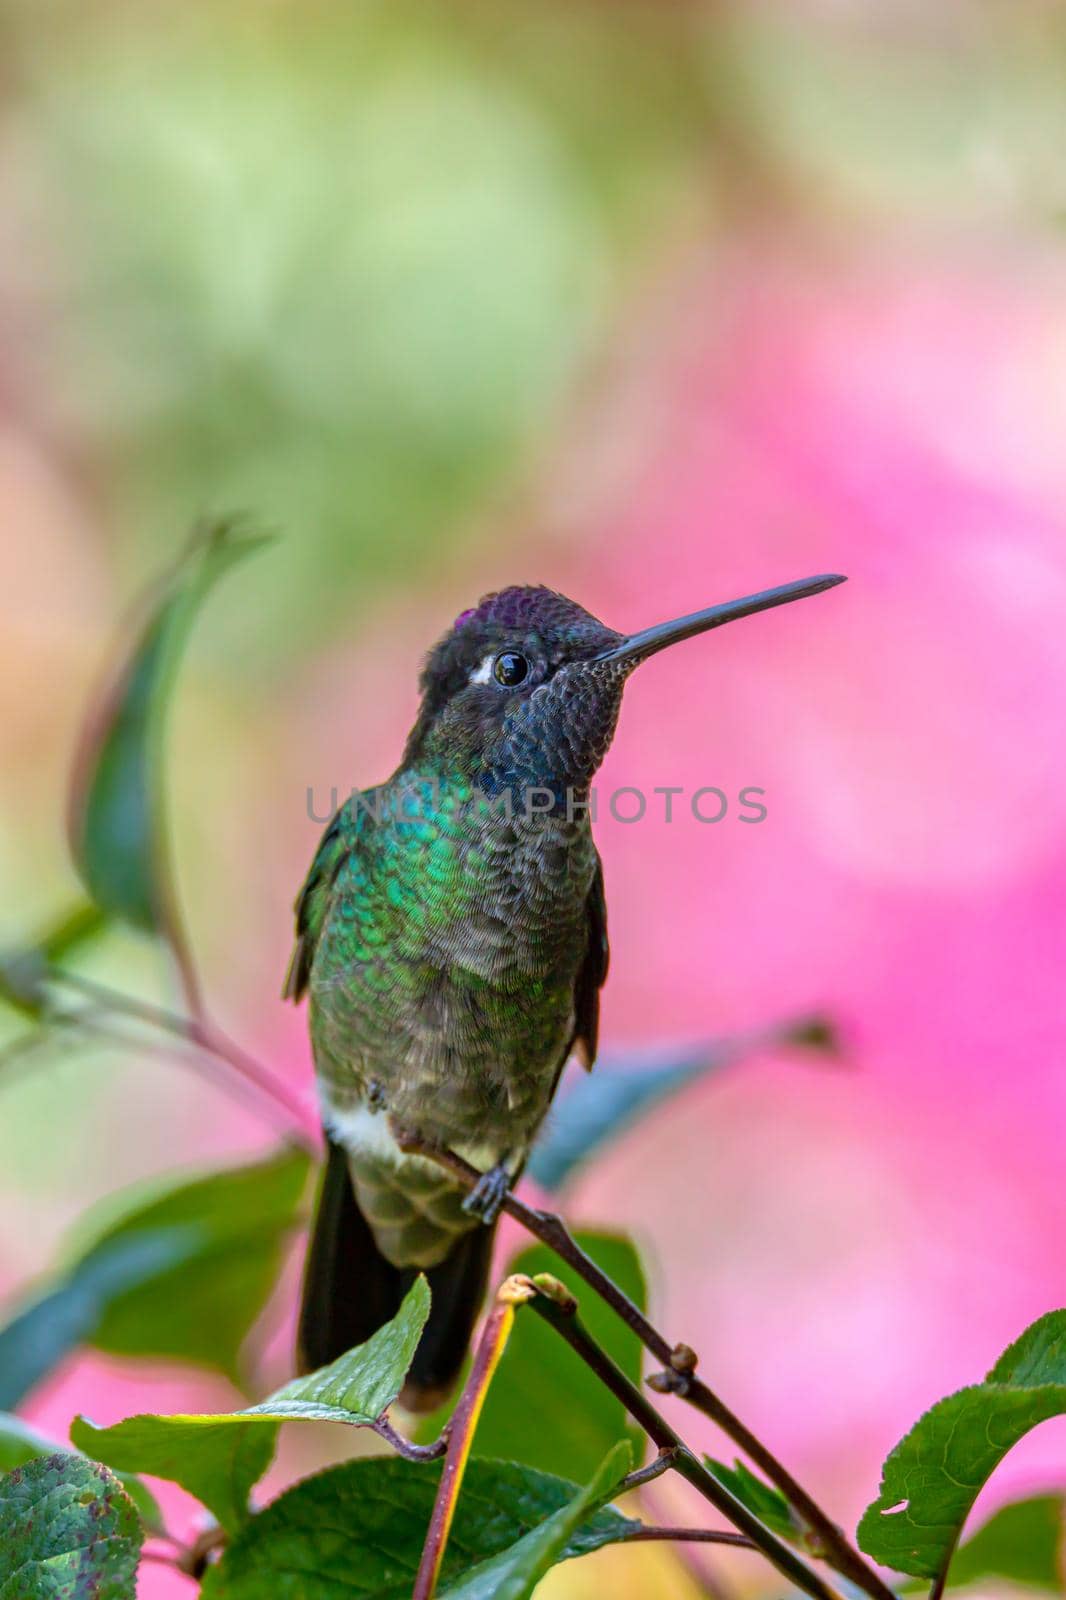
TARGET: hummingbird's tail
(350,1289)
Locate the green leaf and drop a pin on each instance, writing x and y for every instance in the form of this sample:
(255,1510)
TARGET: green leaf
(933,1476)
(67,1528)
(768,1504)
(182,1276)
(1022,1543)
(200,1307)
(216,1459)
(68,1315)
(515,1573)
(219,1457)
(575,1420)
(115,814)
(357,1530)
(19,1443)
(601,1105)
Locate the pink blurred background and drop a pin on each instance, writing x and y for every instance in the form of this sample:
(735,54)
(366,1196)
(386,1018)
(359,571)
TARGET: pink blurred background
(796,303)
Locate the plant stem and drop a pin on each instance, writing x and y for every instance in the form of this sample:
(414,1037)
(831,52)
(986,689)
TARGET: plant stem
(209,1037)
(838,1552)
(204,1035)
(640,1408)
(494,1335)
(680,1379)
(655,1469)
(403,1447)
(648,1531)
(163,1560)
(707,1583)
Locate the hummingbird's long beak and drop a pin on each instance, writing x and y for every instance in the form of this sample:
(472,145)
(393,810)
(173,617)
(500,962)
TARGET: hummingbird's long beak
(639,646)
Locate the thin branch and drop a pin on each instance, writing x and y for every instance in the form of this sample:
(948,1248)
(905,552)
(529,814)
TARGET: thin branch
(705,1581)
(708,1583)
(194,1559)
(85,1025)
(203,1035)
(560,1313)
(99,1023)
(403,1447)
(679,1377)
(27,1045)
(494,1336)
(171,1559)
(655,1469)
(164,1535)
(648,1531)
(209,1037)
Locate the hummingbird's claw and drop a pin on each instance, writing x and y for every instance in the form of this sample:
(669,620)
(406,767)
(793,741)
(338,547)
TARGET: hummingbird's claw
(489,1193)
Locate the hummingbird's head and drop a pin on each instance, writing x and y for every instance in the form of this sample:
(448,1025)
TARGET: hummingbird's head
(523,691)
(510,694)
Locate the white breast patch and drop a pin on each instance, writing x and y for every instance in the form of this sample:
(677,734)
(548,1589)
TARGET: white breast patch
(358,1129)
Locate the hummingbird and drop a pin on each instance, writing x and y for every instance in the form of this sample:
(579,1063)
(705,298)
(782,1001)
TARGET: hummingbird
(452,938)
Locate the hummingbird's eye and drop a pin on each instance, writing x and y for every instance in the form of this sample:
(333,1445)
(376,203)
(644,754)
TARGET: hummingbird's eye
(510,668)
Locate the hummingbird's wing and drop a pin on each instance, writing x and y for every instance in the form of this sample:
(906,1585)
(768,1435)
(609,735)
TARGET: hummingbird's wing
(593,971)
(312,903)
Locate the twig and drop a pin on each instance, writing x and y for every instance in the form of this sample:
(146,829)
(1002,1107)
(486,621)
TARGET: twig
(163,1559)
(203,1035)
(403,1447)
(648,1531)
(655,1469)
(664,1461)
(100,1022)
(41,1038)
(194,1558)
(515,1292)
(209,1037)
(708,1583)
(559,1310)
(679,1377)
(163,1534)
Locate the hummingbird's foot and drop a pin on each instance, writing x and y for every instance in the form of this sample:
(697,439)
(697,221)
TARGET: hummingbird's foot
(489,1193)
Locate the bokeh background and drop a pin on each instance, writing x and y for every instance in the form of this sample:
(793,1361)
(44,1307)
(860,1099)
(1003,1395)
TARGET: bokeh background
(656,304)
